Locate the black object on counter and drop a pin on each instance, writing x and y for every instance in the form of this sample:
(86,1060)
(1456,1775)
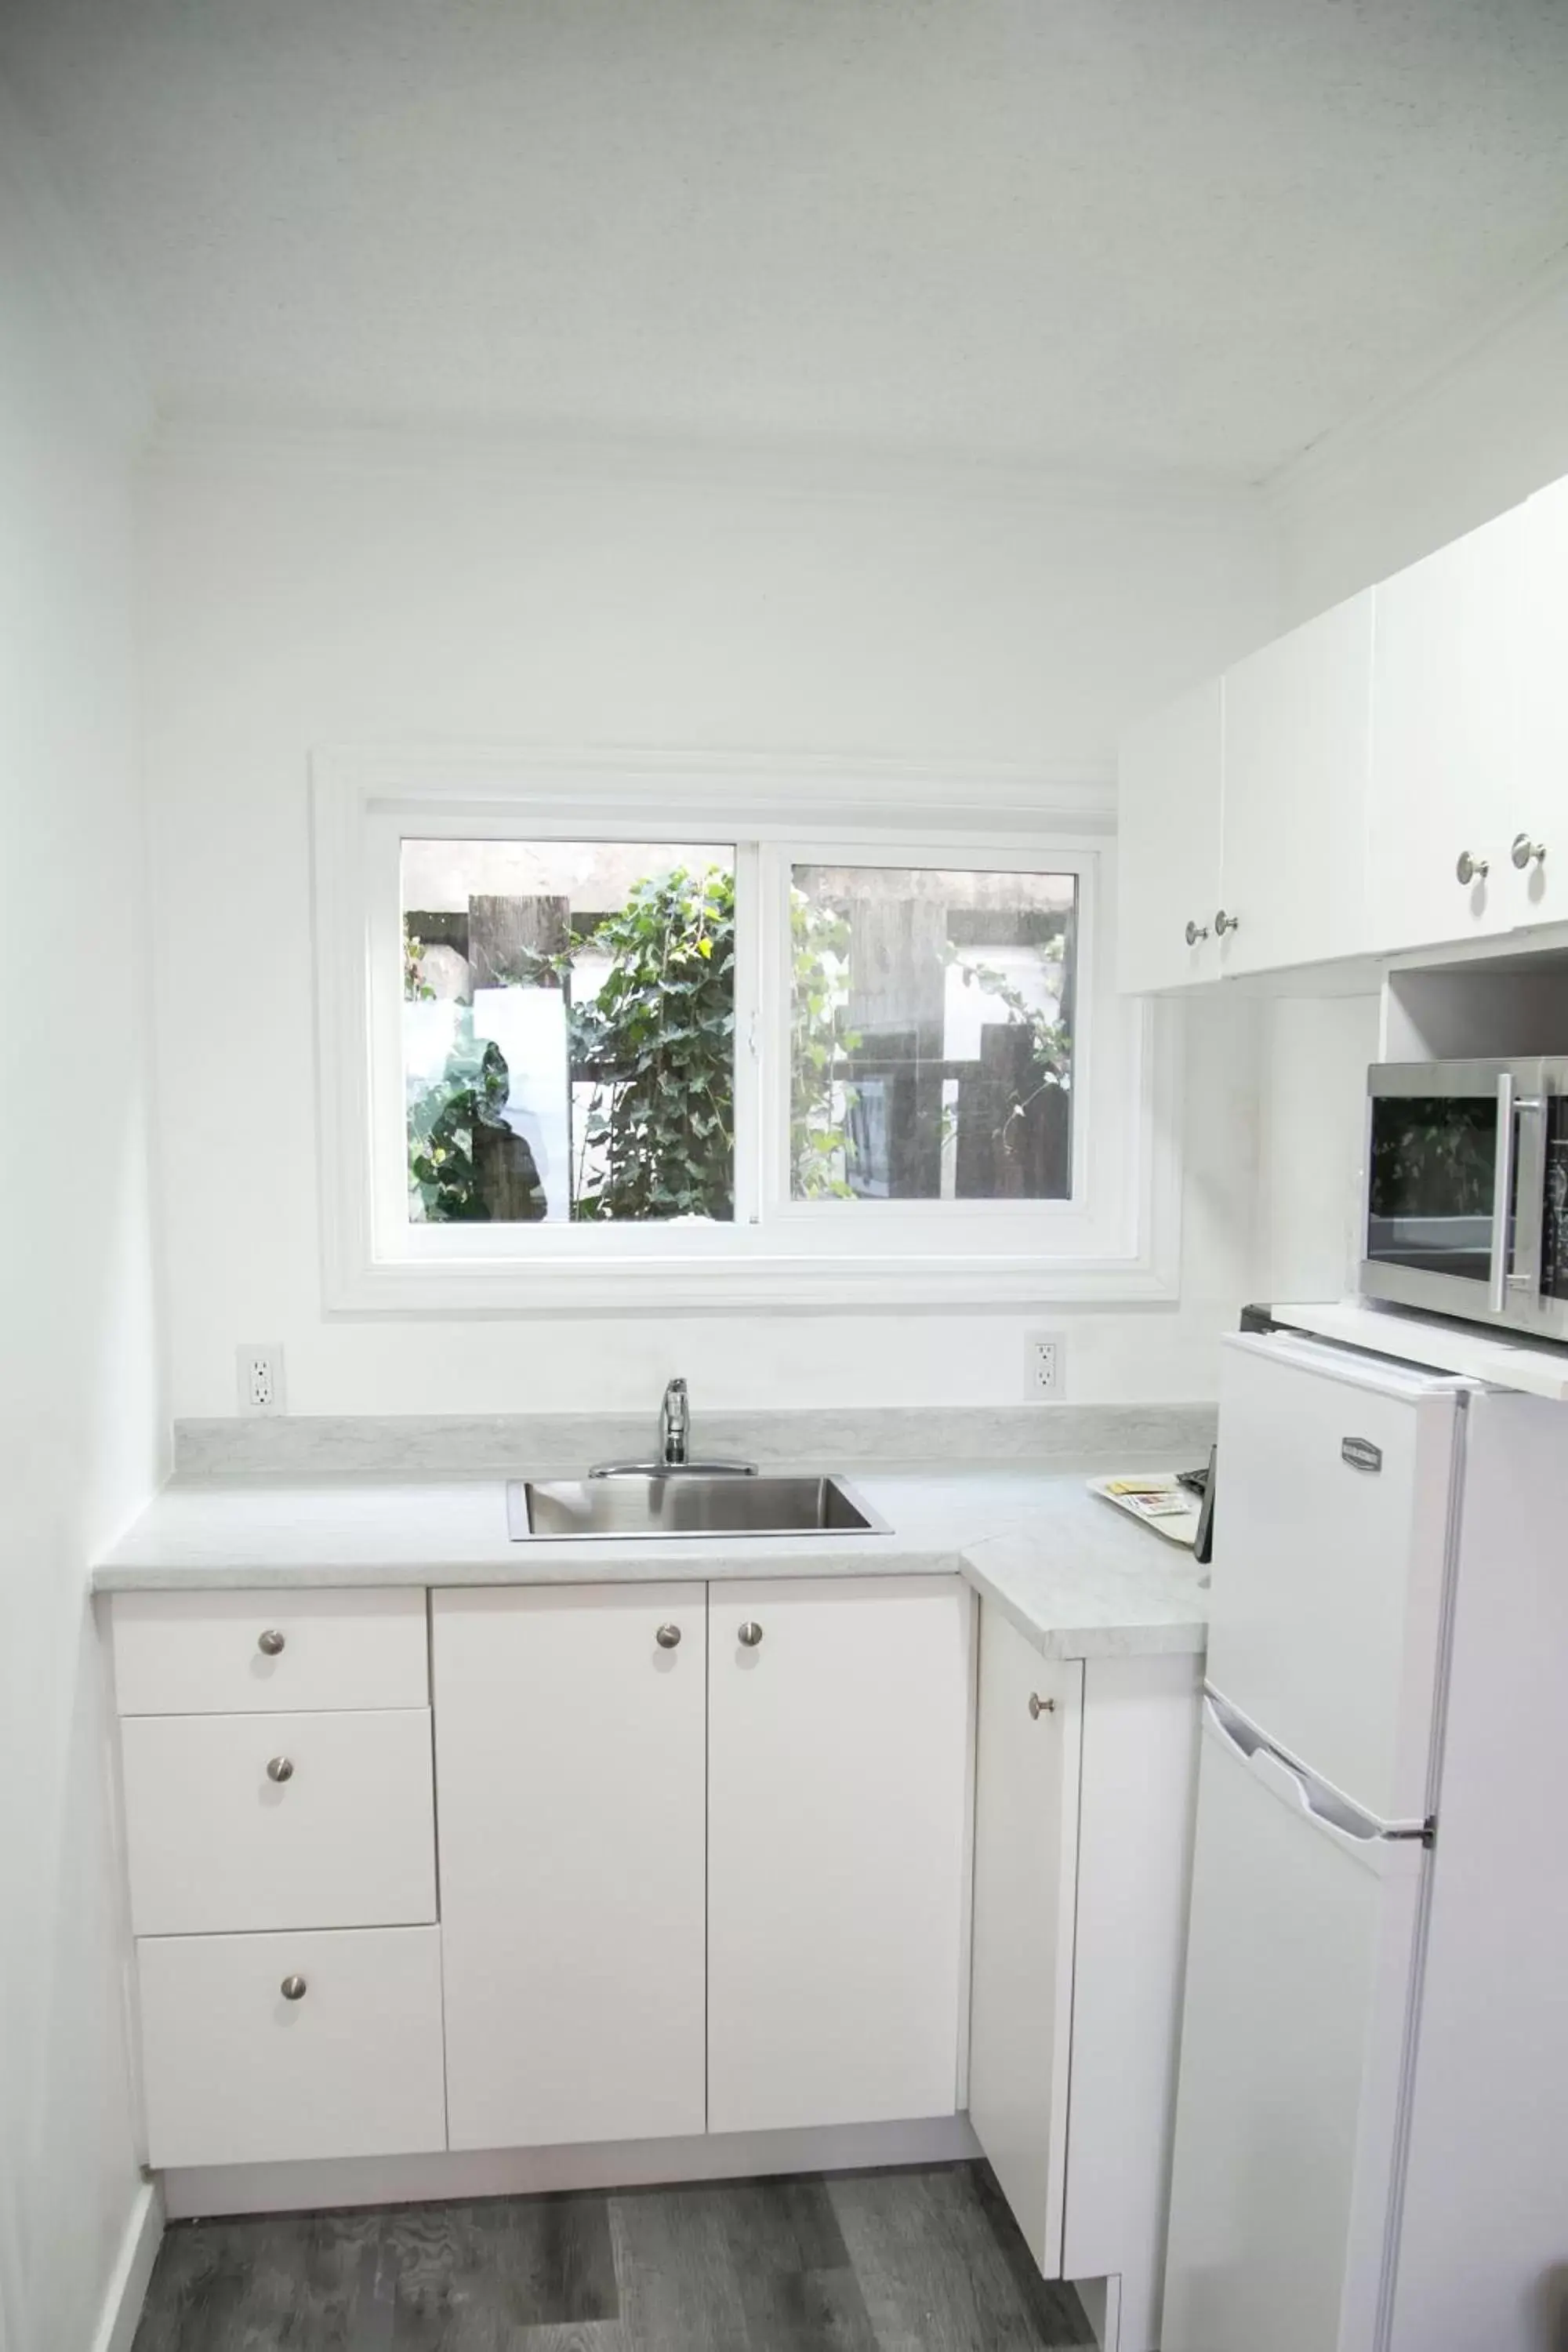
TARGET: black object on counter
(1202,1542)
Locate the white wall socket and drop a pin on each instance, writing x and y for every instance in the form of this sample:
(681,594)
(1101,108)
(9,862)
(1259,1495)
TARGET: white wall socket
(260,1376)
(1045,1366)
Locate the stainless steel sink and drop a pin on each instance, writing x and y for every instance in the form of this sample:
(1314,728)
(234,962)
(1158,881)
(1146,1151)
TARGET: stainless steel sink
(685,1503)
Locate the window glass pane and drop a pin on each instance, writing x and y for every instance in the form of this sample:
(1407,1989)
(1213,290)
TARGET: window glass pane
(932,1036)
(568,1030)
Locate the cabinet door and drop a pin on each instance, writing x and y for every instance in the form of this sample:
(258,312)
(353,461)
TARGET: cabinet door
(1298,749)
(1446,671)
(1538,893)
(1026,1867)
(1168,843)
(570,1765)
(838,1801)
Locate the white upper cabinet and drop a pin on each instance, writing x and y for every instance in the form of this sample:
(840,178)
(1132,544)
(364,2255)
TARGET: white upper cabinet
(1298,741)
(1390,775)
(1538,888)
(1447,673)
(1168,826)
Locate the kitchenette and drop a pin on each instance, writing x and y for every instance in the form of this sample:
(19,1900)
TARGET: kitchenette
(729,1877)
(785,1266)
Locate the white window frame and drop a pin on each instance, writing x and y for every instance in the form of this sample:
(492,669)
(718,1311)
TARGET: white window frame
(1116,1239)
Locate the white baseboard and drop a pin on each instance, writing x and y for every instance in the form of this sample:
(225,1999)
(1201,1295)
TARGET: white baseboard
(127,2289)
(528,2171)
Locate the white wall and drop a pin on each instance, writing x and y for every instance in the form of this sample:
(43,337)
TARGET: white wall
(304,592)
(1313,1124)
(1448,454)
(79,1389)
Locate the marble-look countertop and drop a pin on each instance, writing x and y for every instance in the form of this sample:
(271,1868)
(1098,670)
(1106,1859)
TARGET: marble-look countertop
(1078,1577)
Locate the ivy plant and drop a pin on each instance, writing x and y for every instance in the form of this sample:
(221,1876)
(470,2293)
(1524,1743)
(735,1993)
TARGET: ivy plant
(471,1092)
(1050,1042)
(819,1041)
(658,1045)
(659,1039)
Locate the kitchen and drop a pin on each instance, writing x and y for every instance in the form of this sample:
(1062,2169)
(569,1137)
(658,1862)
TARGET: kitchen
(407,432)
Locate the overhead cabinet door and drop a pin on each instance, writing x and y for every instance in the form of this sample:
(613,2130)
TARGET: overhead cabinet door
(570,1762)
(1445,798)
(1298,742)
(1537,881)
(1168,845)
(838,1794)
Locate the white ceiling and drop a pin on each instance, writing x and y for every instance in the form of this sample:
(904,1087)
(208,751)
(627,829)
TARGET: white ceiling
(1128,234)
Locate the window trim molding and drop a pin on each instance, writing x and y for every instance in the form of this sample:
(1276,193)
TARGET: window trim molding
(784,801)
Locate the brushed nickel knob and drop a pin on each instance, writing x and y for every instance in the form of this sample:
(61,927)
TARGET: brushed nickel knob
(292,1987)
(280,1769)
(751,1633)
(1196,931)
(668,1637)
(1526,852)
(1471,869)
(1224,923)
(1038,1706)
(270,1643)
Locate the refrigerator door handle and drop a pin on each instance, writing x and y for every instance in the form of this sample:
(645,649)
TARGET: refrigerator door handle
(1370,1840)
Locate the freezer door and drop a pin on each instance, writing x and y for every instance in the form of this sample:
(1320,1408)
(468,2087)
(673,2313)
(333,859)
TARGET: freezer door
(1331,1539)
(1301,1975)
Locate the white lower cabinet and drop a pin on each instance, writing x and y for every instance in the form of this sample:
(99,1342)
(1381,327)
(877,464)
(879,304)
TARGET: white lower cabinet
(1084,1795)
(704,1865)
(839,1728)
(258,2048)
(1026,1893)
(571,1743)
(237,1821)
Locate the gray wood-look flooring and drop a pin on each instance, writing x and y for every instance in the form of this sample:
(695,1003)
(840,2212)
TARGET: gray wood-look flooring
(924,2260)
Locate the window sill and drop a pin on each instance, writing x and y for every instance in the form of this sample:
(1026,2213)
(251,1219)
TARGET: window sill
(513,1287)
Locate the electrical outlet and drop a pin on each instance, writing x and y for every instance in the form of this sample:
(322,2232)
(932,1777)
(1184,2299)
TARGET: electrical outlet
(1045,1366)
(260,1376)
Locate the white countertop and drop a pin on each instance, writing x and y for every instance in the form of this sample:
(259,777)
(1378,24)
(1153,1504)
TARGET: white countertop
(1078,1577)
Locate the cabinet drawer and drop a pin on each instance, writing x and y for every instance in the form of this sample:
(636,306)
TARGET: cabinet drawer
(202,1652)
(339,1832)
(235,2073)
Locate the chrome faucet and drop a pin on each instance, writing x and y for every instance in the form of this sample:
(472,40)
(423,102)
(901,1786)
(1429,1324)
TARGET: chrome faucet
(674,1426)
(673,1458)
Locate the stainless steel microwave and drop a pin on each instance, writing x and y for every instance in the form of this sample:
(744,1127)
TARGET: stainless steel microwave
(1466,1207)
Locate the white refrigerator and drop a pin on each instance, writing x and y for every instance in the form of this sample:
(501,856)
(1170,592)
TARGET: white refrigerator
(1372,2128)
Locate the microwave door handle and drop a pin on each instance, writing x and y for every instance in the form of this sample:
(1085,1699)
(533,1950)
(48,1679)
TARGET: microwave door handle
(1530,1237)
(1502,1193)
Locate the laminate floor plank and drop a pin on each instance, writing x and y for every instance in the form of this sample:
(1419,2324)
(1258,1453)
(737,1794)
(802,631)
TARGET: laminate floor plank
(470,2276)
(924,2260)
(797,2287)
(679,2285)
(939,2273)
(256,2285)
